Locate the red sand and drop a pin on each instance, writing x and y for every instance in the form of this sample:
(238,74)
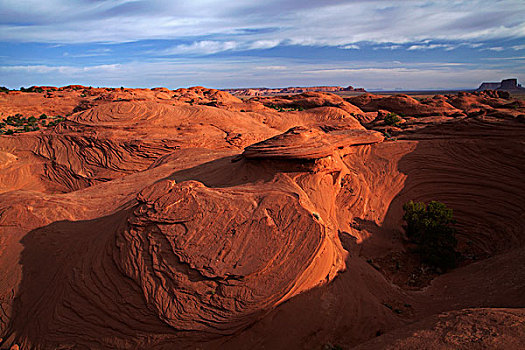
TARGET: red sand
(161,219)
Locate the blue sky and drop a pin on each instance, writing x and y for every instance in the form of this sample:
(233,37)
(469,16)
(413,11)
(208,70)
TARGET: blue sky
(223,44)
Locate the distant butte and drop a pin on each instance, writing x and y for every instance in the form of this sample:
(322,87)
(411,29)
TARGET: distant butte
(504,85)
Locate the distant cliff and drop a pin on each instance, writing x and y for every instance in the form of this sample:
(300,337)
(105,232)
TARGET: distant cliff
(506,85)
(290,90)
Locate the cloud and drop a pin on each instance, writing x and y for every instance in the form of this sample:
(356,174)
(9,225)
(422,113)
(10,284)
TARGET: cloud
(64,70)
(205,47)
(447,47)
(350,47)
(271,67)
(261,24)
(208,47)
(388,47)
(497,49)
(263,44)
(509,58)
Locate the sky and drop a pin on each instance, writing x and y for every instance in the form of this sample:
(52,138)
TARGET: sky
(375,44)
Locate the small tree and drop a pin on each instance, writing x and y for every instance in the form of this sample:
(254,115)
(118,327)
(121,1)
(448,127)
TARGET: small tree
(392,119)
(430,228)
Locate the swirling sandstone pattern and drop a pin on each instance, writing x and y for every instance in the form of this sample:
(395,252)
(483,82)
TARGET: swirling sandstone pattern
(139,223)
(209,259)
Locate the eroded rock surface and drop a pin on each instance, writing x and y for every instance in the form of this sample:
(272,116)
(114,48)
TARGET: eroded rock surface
(310,143)
(210,259)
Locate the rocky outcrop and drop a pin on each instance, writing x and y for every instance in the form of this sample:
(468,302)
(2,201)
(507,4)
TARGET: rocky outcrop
(404,105)
(308,100)
(193,252)
(310,143)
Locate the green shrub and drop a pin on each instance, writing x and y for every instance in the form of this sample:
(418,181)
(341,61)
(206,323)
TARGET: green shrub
(430,227)
(42,116)
(9,132)
(31,89)
(392,119)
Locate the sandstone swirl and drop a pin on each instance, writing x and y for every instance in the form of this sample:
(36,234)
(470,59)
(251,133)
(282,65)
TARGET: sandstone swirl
(209,259)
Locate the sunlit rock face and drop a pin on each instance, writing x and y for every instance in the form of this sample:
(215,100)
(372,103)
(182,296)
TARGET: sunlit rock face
(209,259)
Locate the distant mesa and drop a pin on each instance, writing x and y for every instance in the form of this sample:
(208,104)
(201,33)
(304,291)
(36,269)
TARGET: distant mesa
(290,90)
(506,85)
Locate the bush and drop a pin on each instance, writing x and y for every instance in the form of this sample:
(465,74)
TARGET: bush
(392,119)
(31,89)
(430,228)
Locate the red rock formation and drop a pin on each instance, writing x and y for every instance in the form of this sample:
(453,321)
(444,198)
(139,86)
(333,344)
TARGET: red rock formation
(167,219)
(404,105)
(309,144)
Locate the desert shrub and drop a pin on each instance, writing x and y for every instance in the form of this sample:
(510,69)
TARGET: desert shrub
(392,119)
(9,132)
(31,119)
(4,89)
(430,227)
(286,109)
(42,116)
(31,89)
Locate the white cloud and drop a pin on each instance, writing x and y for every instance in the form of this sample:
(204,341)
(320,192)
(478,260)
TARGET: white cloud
(271,67)
(263,44)
(261,24)
(447,47)
(388,47)
(350,47)
(64,70)
(497,49)
(201,47)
